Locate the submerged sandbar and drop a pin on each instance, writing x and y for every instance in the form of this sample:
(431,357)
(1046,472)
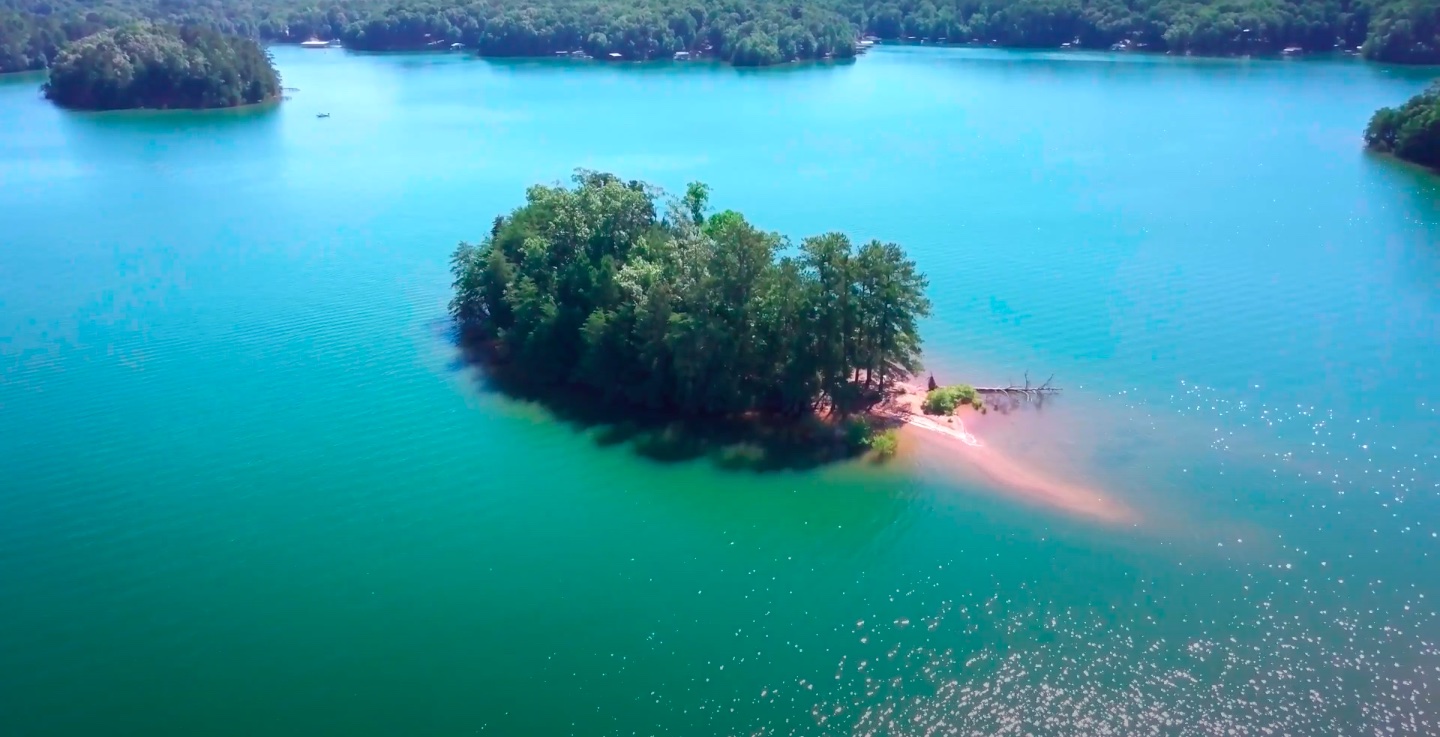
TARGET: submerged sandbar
(1010,476)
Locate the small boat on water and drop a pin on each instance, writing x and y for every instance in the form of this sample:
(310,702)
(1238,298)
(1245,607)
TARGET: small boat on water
(322,115)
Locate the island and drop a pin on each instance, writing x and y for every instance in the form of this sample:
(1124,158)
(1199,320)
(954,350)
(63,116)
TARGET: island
(654,320)
(160,67)
(654,305)
(1411,131)
(756,32)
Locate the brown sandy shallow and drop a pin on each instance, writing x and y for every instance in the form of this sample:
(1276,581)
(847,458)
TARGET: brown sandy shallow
(1008,475)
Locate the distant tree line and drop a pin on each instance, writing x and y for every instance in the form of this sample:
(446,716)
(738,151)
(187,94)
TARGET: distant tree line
(145,66)
(753,32)
(741,33)
(1411,131)
(687,312)
(1405,31)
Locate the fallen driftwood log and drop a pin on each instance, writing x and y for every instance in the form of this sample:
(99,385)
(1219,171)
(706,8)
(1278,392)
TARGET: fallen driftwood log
(1025,390)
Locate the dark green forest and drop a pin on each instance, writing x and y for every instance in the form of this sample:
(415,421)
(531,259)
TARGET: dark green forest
(693,314)
(753,32)
(145,66)
(1411,131)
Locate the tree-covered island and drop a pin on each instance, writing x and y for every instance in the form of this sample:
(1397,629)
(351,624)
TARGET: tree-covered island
(754,32)
(594,289)
(147,66)
(1411,131)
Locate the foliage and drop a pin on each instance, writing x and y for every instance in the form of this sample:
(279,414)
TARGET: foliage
(752,32)
(152,67)
(1411,131)
(743,32)
(885,443)
(1406,31)
(858,432)
(946,399)
(1390,30)
(590,286)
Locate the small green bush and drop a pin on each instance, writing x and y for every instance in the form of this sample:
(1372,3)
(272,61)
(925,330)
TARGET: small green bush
(857,432)
(946,399)
(885,443)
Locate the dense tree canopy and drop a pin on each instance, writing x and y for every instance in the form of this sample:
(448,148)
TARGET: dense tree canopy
(686,312)
(753,32)
(1411,131)
(144,66)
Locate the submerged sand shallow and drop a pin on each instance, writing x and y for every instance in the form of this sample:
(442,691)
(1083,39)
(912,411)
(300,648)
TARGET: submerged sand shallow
(1016,479)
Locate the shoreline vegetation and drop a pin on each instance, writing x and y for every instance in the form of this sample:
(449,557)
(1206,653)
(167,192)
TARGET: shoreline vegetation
(754,32)
(142,66)
(1411,131)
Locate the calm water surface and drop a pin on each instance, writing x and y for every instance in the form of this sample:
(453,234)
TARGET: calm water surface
(248,490)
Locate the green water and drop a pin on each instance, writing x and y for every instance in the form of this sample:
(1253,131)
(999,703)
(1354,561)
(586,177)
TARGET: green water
(248,489)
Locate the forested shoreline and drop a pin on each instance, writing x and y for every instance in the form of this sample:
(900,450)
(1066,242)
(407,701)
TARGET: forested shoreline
(592,288)
(146,66)
(754,32)
(1410,131)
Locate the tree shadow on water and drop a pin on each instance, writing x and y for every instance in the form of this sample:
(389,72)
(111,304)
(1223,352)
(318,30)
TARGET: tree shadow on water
(746,443)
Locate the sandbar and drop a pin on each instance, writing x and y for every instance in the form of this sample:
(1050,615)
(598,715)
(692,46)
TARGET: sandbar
(1010,476)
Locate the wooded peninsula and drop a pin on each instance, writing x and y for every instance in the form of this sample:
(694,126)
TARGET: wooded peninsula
(684,312)
(1411,131)
(146,66)
(752,32)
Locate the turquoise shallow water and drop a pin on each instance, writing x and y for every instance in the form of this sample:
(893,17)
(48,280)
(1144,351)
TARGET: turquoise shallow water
(247,488)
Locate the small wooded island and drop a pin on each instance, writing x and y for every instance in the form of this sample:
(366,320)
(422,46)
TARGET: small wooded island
(158,67)
(1411,131)
(593,289)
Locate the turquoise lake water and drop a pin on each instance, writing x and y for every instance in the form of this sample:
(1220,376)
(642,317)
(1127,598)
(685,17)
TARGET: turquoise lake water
(248,488)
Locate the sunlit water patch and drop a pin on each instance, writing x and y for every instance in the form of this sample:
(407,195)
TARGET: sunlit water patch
(1059,671)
